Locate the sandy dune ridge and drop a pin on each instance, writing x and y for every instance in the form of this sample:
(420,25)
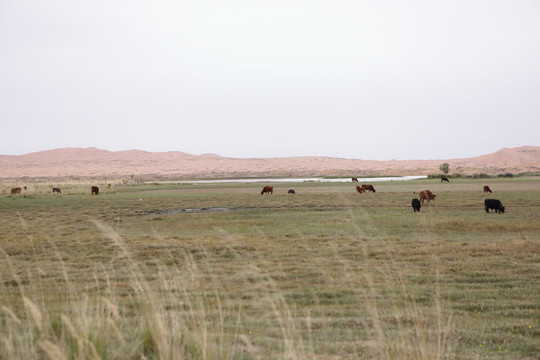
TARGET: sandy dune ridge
(97,163)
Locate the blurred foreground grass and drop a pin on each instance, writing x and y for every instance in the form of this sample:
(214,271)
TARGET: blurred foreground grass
(221,272)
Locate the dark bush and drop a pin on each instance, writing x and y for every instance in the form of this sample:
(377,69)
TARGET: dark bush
(481,176)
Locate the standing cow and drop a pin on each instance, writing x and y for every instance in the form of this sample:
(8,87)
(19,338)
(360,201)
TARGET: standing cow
(416,204)
(268,189)
(426,195)
(444,178)
(360,189)
(95,190)
(494,204)
(354,179)
(56,190)
(16,190)
(368,187)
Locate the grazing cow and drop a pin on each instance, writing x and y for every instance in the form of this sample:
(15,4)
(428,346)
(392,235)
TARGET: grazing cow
(56,190)
(416,204)
(360,189)
(487,189)
(426,195)
(444,178)
(291,191)
(95,190)
(268,189)
(25,188)
(354,180)
(368,187)
(495,205)
(108,186)
(16,190)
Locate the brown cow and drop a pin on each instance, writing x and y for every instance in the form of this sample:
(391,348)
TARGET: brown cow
(360,189)
(354,180)
(56,190)
(109,186)
(368,187)
(269,189)
(487,189)
(16,190)
(426,195)
(95,190)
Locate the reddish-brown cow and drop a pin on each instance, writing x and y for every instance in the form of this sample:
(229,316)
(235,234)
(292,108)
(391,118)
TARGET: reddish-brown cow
(487,189)
(360,189)
(269,189)
(426,195)
(95,190)
(16,190)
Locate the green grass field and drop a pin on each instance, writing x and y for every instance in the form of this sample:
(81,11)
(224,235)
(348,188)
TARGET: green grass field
(221,272)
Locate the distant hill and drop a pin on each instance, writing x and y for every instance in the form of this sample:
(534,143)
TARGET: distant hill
(96,163)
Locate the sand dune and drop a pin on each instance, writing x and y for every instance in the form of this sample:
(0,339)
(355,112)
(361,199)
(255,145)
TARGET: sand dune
(96,163)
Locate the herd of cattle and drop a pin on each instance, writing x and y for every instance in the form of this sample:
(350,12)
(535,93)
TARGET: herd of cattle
(424,195)
(94,190)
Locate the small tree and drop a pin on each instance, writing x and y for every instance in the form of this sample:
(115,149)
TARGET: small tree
(444,167)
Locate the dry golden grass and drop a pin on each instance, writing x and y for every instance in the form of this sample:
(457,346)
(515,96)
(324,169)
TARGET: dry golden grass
(165,272)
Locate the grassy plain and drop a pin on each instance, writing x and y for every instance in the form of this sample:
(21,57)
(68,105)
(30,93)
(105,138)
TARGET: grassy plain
(217,271)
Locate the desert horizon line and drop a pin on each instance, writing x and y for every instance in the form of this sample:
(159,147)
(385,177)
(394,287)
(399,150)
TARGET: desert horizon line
(207,154)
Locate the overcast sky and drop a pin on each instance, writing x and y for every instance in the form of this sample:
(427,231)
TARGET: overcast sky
(248,78)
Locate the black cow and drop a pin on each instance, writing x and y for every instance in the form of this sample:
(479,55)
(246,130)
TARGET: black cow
(416,204)
(444,178)
(95,190)
(291,191)
(56,190)
(495,205)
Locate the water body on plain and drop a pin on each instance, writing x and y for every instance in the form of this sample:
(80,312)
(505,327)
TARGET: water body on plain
(290,180)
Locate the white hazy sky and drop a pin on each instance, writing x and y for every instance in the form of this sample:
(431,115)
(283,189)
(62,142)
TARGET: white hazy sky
(249,78)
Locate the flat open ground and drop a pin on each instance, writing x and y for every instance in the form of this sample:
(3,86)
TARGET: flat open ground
(217,271)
